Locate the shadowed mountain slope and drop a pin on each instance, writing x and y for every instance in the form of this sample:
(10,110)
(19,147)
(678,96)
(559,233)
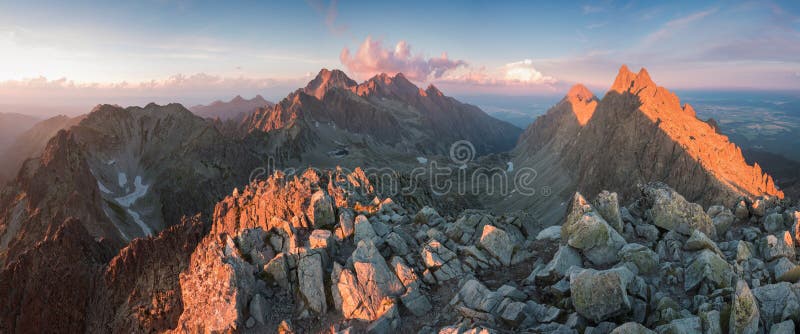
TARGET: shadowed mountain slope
(637,133)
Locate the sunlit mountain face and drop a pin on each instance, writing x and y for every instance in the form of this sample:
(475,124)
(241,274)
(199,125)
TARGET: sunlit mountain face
(399,167)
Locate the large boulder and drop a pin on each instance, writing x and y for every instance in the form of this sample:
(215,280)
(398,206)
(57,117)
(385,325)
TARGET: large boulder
(773,247)
(320,210)
(669,210)
(722,218)
(631,328)
(607,204)
(564,258)
(783,327)
(598,241)
(645,259)
(709,266)
(777,302)
(498,243)
(311,282)
(773,222)
(346,226)
(441,261)
(472,295)
(370,289)
(365,231)
(372,270)
(599,295)
(786,271)
(699,241)
(277,271)
(744,311)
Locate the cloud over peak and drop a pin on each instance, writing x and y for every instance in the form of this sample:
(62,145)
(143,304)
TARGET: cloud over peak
(372,58)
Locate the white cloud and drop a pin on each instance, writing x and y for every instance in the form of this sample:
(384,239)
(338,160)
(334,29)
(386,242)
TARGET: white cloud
(524,72)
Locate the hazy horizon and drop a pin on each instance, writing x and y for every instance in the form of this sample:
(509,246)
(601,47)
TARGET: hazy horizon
(195,52)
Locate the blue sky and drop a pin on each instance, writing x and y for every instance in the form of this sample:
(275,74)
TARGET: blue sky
(196,50)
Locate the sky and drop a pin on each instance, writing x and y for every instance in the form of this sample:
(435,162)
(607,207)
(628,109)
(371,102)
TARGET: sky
(89,52)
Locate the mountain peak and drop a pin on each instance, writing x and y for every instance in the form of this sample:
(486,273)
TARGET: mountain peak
(630,82)
(580,93)
(624,79)
(386,85)
(643,75)
(237,98)
(583,103)
(327,79)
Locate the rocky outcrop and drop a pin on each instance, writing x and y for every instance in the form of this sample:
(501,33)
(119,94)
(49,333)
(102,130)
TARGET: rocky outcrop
(140,290)
(70,260)
(266,264)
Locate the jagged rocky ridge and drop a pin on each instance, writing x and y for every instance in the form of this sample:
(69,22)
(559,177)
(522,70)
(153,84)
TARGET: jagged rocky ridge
(317,252)
(383,116)
(637,133)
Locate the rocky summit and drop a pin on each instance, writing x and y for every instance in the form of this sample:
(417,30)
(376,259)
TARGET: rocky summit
(151,219)
(637,133)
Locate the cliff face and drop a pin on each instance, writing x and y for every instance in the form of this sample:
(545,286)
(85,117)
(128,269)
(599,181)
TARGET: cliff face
(637,133)
(47,192)
(50,286)
(139,290)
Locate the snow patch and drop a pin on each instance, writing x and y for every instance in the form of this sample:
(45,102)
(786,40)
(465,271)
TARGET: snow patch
(103,187)
(139,191)
(122,179)
(422,160)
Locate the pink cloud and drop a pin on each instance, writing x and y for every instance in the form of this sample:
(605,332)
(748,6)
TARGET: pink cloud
(372,58)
